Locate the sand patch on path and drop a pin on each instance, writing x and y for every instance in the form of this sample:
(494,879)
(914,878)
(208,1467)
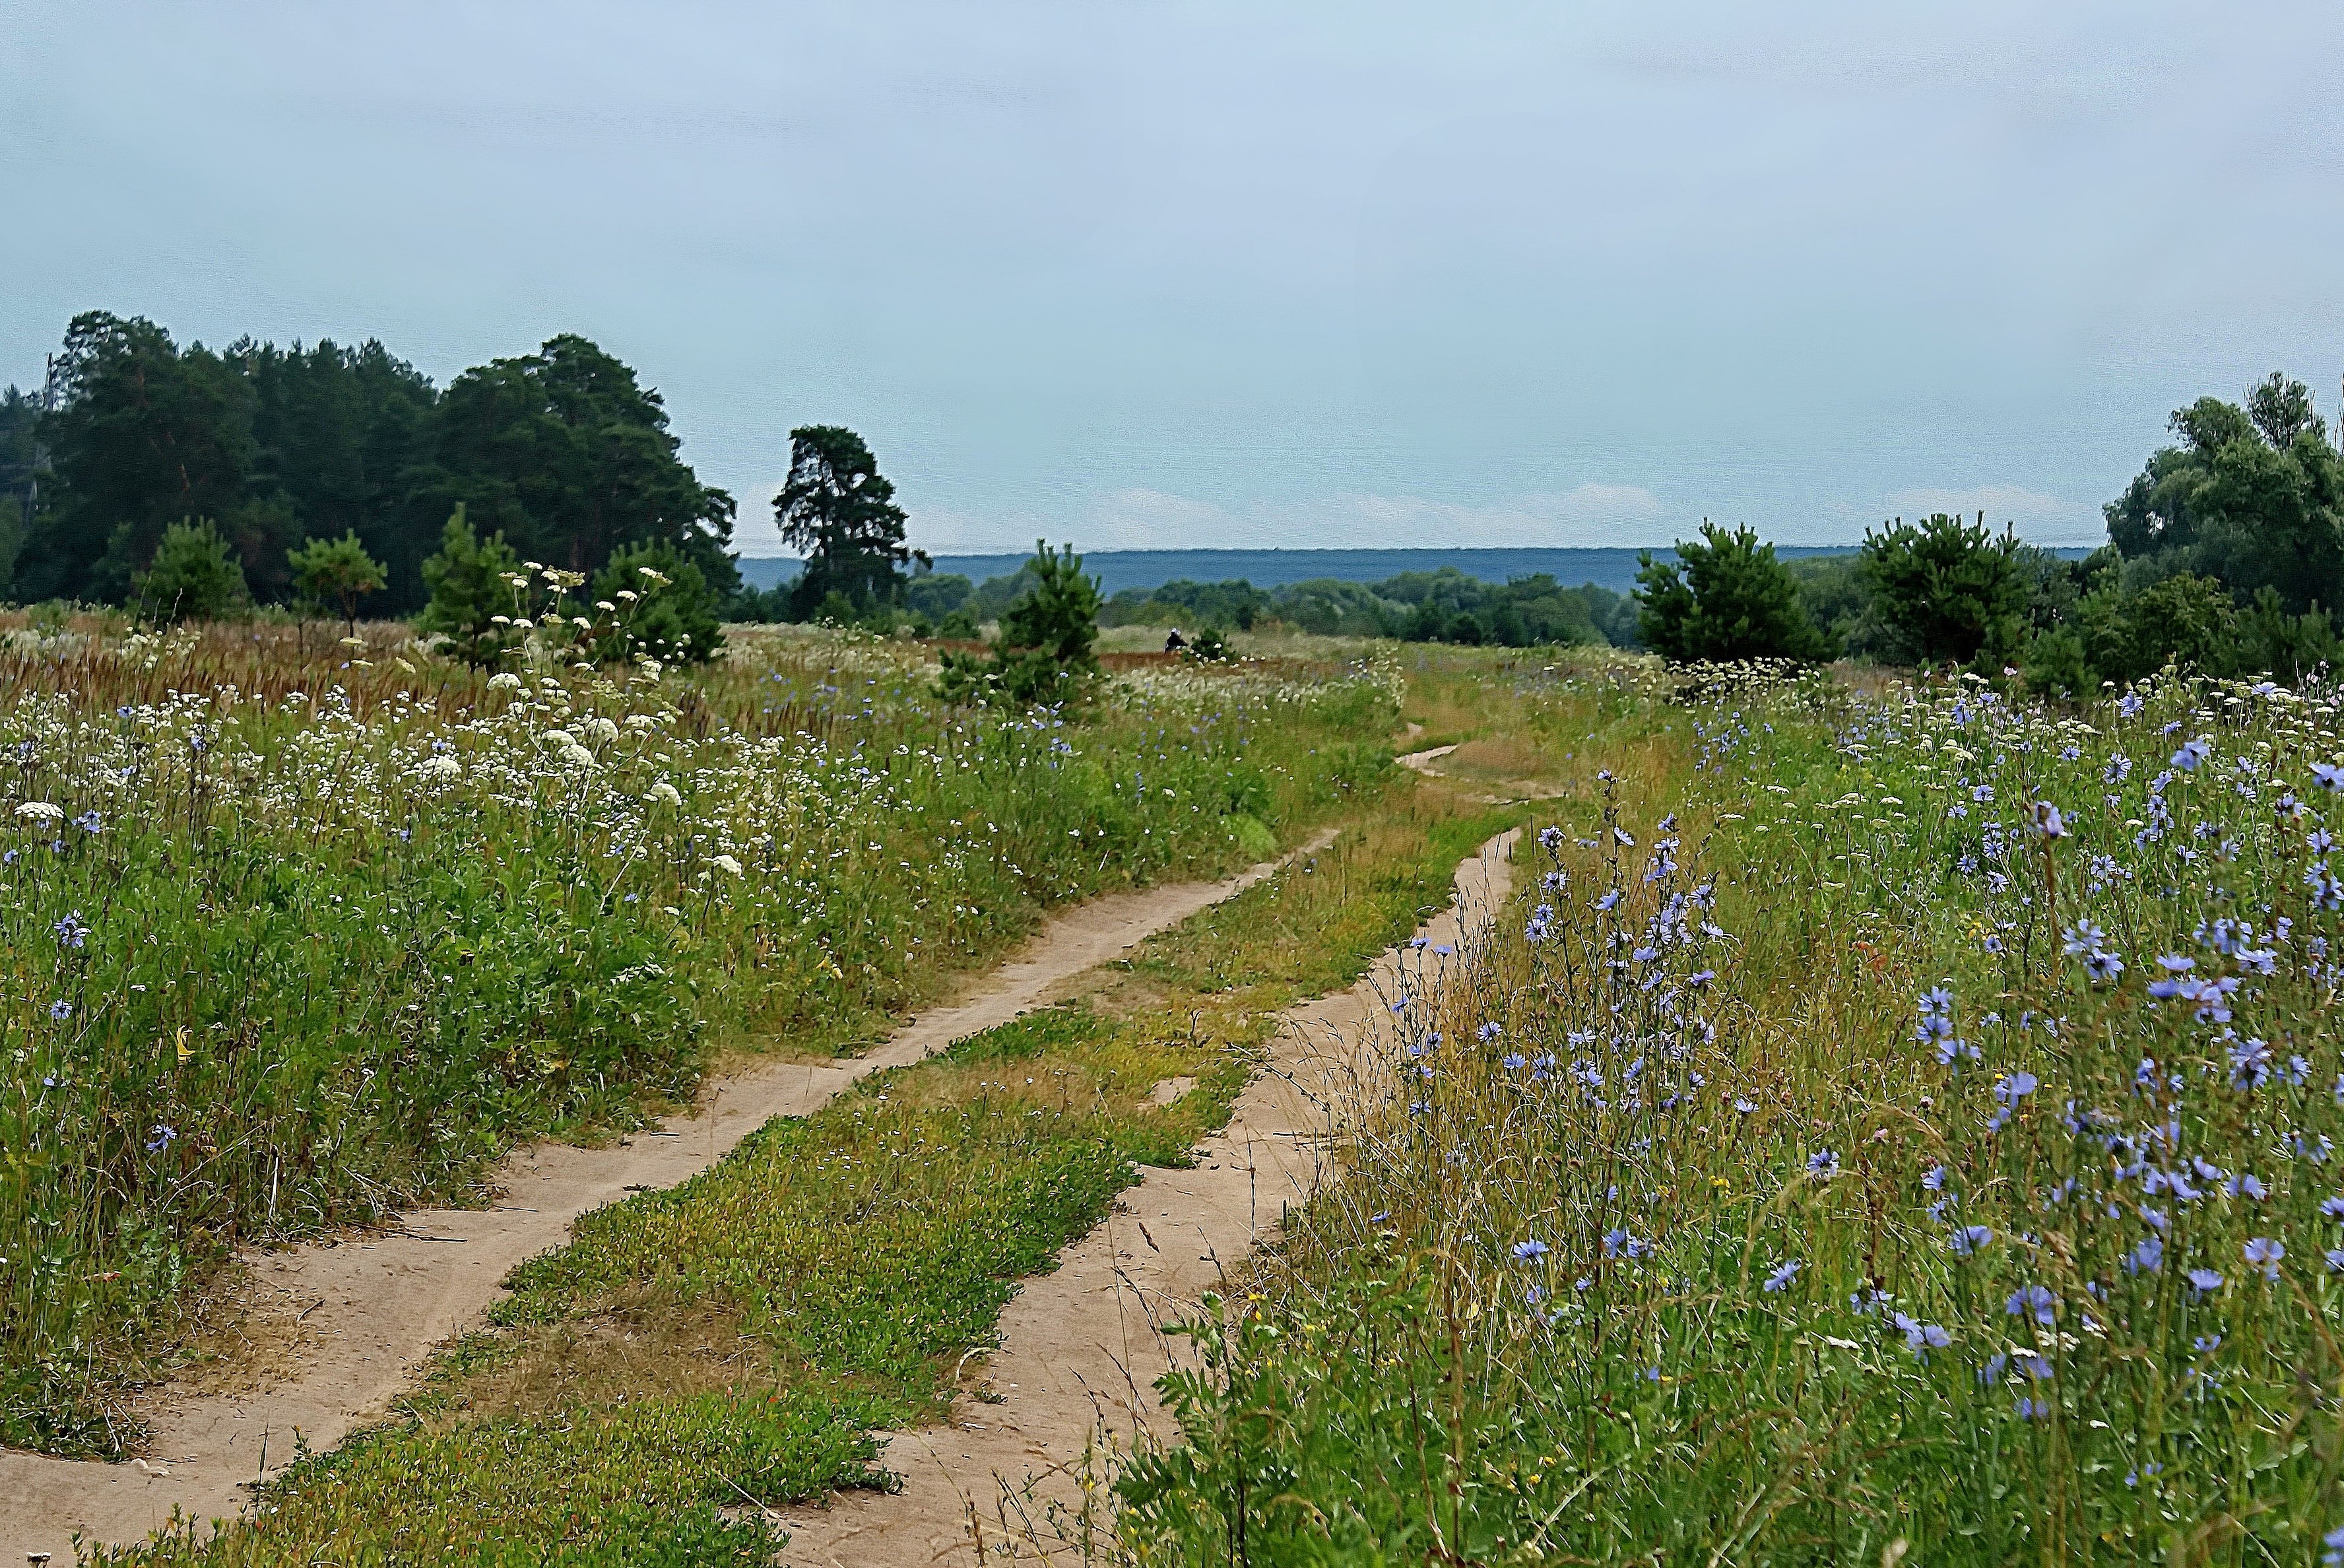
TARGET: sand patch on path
(366,1309)
(1082,1347)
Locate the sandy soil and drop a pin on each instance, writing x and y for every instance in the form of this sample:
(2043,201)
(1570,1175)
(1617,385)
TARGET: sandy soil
(1505,791)
(1083,1347)
(358,1316)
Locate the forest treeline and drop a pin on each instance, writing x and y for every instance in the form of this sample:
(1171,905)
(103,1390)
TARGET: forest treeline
(563,451)
(184,481)
(1443,606)
(2226,555)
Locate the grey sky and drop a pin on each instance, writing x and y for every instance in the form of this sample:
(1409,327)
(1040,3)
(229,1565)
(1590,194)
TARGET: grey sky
(1189,276)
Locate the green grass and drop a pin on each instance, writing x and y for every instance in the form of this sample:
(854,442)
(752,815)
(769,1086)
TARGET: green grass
(736,1338)
(1750,1273)
(564,897)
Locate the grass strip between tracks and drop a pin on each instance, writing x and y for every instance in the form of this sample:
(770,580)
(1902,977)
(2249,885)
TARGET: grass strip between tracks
(734,1341)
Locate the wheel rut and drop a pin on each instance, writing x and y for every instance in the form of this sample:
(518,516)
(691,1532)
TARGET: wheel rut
(1083,1346)
(378,1303)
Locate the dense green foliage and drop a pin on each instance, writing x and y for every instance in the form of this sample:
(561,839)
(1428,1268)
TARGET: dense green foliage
(2252,496)
(1043,653)
(194,576)
(670,613)
(1948,592)
(473,598)
(560,450)
(1724,598)
(1443,606)
(335,575)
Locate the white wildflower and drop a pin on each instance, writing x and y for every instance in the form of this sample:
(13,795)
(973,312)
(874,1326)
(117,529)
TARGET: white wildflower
(664,793)
(726,864)
(41,811)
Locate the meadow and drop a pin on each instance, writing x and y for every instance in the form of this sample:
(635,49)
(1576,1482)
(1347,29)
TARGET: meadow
(701,1354)
(299,932)
(1895,1120)
(1899,1121)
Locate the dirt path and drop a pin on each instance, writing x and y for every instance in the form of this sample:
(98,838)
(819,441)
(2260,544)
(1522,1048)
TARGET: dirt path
(370,1311)
(1083,1347)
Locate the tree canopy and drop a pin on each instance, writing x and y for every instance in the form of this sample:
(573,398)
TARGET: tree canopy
(561,450)
(840,511)
(2252,495)
(1950,592)
(1728,599)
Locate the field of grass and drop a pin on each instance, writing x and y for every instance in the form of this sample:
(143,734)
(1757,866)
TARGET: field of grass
(732,1341)
(1898,1123)
(293,938)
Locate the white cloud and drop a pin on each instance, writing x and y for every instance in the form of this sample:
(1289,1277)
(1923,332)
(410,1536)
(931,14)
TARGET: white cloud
(2045,518)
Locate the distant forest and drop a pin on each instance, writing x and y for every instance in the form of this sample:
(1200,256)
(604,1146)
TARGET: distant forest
(1444,606)
(561,450)
(297,469)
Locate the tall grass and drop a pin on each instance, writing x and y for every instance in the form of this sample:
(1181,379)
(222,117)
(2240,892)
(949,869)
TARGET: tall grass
(291,942)
(1894,1122)
(733,1340)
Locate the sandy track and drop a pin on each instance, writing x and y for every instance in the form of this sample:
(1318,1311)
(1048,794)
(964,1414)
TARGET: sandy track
(381,1302)
(1083,1347)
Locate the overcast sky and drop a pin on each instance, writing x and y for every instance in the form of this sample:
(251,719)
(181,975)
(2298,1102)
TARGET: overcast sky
(1160,275)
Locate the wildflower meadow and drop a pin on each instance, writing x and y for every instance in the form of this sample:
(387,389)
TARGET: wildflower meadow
(293,940)
(1896,1118)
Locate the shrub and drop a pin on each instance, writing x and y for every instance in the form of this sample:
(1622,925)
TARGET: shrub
(1950,592)
(2186,619)
(1731,599)
(192,577)
(472,594)
(335,573)
(664,607)
(1043,654)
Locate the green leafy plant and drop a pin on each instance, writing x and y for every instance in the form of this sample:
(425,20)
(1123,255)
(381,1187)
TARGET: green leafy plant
(660,605)
(1043,654)
(1729,599)
(335,573)
(1949,591)
(474,594)
(194,576)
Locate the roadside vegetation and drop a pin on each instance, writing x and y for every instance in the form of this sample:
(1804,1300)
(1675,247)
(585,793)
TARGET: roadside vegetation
(1901,1120)
(567,887)
(698,1353)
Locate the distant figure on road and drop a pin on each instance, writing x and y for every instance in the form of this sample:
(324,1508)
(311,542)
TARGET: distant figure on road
(1174,642)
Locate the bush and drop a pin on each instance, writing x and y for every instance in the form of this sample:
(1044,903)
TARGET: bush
(1043,654)
(2054,664)
(474,594)
(665,609)
(2186,620)
(192,577)
(335,575)
(1731,599)
(1949,591)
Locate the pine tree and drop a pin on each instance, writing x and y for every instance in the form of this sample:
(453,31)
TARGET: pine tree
(335,573)
(474,594)
(194,576)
